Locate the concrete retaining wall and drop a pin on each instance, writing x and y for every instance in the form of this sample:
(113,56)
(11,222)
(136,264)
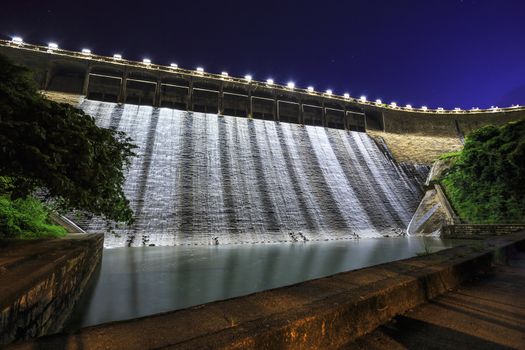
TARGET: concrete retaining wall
(479,231)
(320,314)
(41,280)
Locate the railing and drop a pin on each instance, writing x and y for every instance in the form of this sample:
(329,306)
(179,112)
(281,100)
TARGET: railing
(146,64)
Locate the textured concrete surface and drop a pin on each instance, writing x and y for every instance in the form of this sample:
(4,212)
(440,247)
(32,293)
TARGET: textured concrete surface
(41,280)
(320,314)
(486,313)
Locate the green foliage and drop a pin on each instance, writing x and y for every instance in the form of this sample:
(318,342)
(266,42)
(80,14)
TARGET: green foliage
(59,151)
(487,182)
(26,218)
(449,155)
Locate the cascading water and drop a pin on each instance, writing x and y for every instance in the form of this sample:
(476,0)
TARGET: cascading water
(204,179)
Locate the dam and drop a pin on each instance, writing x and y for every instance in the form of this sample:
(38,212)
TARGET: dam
(201,179)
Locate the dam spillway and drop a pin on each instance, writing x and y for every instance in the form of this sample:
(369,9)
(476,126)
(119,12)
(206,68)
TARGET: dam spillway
(207,179)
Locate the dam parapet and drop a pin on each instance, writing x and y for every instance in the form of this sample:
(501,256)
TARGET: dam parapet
(114,79)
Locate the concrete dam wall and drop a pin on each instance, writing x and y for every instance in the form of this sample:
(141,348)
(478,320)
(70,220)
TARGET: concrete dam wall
(204,179)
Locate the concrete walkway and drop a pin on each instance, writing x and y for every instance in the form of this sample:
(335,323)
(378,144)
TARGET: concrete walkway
(487,313)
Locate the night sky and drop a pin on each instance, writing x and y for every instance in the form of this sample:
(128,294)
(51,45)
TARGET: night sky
(439,53)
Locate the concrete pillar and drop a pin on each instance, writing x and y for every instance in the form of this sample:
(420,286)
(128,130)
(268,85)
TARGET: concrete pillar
(220,102)
(123,86)
(189,101)
(301,112)
(364,118)
(324,114)
(250,103)
(345,118)
(276,115)
(49,76)
(158,97)
(85,86)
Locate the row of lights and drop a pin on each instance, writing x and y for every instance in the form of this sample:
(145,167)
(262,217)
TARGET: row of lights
(290,85)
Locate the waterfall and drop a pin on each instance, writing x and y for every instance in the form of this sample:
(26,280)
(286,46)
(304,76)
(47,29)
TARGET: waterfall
(207,179)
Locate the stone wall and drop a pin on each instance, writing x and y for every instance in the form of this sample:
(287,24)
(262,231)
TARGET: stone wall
(40,282)
(479,231)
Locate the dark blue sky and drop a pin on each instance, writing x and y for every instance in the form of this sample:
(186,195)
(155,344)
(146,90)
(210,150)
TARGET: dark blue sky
(448,53)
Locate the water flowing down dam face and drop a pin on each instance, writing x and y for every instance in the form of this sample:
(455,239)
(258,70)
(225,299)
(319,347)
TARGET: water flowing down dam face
(204,179)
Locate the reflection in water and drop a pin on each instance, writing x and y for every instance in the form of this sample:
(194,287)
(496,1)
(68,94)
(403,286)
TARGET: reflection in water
(135,282)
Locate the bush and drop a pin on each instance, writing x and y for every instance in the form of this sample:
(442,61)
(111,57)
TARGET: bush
(26,218)
(486,185)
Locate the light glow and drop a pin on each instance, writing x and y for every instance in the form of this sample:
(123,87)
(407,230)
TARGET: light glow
(457,109)
(86,51)
(440,109)
(475,108)
(393,104)
(224,74)
(52,46)
(174,65)
(310,89)
(146,61)
(424,108)
(248,77)
(378,101)
(269,81)
(329,92)
(17,40)
(408,106)
(117,56)
(290,85)
(346,95)
(200,70)
(362,98)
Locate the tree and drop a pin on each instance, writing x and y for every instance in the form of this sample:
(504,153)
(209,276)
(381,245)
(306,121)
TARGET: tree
(59,150)
(487,182)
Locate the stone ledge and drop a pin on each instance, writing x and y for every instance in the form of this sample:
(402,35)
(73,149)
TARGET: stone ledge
(323,313)
(40,281)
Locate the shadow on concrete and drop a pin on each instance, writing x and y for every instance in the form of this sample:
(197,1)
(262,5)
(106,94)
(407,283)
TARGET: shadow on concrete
(417,334)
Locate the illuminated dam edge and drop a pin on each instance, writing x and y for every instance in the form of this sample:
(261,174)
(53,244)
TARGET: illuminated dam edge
(203,179)
(120,80)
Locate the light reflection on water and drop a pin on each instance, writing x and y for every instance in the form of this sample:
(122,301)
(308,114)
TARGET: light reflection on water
(135,282)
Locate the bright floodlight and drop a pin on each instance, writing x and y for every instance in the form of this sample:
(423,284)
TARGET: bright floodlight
(408,106)
(86,51)
(378,101)
(393,104)
(224,74)
(17,40)
(290,85)
(424,108)
(329,92)
(346,95)
(248,77)
(117,56)
(457,109)
(440,109)
(174,65)
(310,89)
(269,81)
(52,46)
(363,98)
(146,61)
(200,70)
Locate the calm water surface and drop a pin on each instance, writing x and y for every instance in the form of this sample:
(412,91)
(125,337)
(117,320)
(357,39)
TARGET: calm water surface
(135,282)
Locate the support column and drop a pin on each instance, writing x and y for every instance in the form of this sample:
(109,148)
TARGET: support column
(123,86)
(324,114)
(301,112)
(364,118)
(250,103)
(189,100)
(158,88)
(49,75)
(220,102)
(345,119)
(276,115)
(85,86)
